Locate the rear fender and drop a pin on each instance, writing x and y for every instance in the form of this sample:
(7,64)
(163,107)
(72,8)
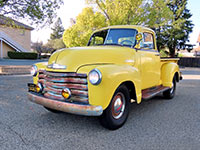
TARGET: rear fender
(168,71)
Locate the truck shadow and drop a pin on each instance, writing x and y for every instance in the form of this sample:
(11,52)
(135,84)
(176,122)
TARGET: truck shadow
(65,121)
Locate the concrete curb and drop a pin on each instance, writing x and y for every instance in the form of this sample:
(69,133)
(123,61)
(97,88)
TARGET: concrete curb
(14,70)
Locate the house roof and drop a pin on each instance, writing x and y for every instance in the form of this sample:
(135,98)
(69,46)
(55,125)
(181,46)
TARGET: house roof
(11,22)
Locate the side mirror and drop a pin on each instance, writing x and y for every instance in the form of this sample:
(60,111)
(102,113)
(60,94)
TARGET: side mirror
(138,39)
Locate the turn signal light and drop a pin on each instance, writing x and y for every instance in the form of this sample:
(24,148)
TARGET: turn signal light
(66,93)
(39,87)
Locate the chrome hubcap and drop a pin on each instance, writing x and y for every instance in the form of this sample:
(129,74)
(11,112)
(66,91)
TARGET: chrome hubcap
(118,105)
(172,89)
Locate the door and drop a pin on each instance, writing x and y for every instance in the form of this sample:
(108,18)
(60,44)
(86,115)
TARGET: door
(149,62)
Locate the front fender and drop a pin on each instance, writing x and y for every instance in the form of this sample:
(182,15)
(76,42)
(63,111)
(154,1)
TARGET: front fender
(167,73)
(112,77)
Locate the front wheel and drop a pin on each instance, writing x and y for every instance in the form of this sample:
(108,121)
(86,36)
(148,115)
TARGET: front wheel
(169,94)
(116,114)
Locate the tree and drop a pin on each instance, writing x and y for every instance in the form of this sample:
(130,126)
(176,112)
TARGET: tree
(54,44)
(158,15)
(58,30)
(119,12)
(86,22)
(169,19)
(38,12)
(154,14)
(39,47)
(178,31)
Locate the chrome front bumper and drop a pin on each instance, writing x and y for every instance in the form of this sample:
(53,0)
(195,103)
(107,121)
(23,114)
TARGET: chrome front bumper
(86,110)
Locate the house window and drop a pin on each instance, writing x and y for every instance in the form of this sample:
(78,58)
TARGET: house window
(22,32)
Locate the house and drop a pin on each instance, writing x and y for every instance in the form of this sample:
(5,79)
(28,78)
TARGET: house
(197,50)
(14,36)
(198,41)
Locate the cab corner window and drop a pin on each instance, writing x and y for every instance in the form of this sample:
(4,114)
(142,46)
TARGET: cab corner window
(98,38)
(147,42)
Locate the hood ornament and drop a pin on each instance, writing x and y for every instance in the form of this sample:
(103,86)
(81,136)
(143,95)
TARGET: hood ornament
(56,66)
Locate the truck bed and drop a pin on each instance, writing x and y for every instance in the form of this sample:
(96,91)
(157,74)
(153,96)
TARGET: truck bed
(167,60)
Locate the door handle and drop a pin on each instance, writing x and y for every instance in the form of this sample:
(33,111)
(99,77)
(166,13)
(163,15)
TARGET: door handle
(157,54)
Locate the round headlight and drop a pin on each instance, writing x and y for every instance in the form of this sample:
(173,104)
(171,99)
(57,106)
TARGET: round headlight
(34,70)
(95,77)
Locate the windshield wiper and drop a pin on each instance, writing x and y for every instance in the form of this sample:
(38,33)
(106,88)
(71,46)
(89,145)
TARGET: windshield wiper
(113,44)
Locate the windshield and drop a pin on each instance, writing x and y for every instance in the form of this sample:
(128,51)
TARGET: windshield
(120,37)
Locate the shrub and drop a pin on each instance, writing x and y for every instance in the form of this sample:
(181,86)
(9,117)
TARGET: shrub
(22,55)
(180,55)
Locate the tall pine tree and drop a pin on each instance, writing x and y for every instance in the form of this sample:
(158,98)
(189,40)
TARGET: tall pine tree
(56,42)
(58,30)
(177,32)
(158,15)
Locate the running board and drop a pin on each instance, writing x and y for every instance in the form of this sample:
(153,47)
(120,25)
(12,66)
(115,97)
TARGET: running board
(151,92)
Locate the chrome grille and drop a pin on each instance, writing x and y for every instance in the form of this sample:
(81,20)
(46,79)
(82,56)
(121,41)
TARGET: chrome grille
(54,82)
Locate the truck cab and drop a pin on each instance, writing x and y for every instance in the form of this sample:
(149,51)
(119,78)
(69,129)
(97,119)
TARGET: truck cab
(120,65)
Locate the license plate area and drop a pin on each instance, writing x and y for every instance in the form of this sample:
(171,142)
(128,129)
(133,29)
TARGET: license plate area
(32,87)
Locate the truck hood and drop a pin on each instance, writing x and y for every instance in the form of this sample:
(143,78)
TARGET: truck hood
(75,58)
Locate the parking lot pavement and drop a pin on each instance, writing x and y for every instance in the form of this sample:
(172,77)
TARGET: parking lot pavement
(191,73)
(156,124)
(17,66)
(20,62)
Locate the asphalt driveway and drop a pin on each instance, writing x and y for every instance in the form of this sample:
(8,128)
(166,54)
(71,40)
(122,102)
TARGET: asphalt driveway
(20,62)
(156,124)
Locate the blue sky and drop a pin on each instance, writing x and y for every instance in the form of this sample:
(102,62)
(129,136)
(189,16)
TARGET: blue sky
(71,9)
(194,7)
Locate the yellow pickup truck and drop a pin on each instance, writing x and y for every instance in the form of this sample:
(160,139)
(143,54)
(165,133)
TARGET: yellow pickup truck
(120,65)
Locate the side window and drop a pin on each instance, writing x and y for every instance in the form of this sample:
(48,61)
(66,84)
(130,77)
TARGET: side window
(147,42)
(97,41)
(98,38)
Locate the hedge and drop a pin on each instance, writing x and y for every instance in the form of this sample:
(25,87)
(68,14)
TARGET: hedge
(22,55)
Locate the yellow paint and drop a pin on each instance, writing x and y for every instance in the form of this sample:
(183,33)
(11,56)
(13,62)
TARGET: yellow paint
(112,77)
(150,69)
(168,71)
(75,58)
(117,65)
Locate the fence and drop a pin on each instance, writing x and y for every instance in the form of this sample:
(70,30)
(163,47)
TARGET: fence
(189,62)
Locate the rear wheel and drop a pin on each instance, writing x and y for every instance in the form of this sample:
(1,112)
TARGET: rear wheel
(169,94)
(117,112)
